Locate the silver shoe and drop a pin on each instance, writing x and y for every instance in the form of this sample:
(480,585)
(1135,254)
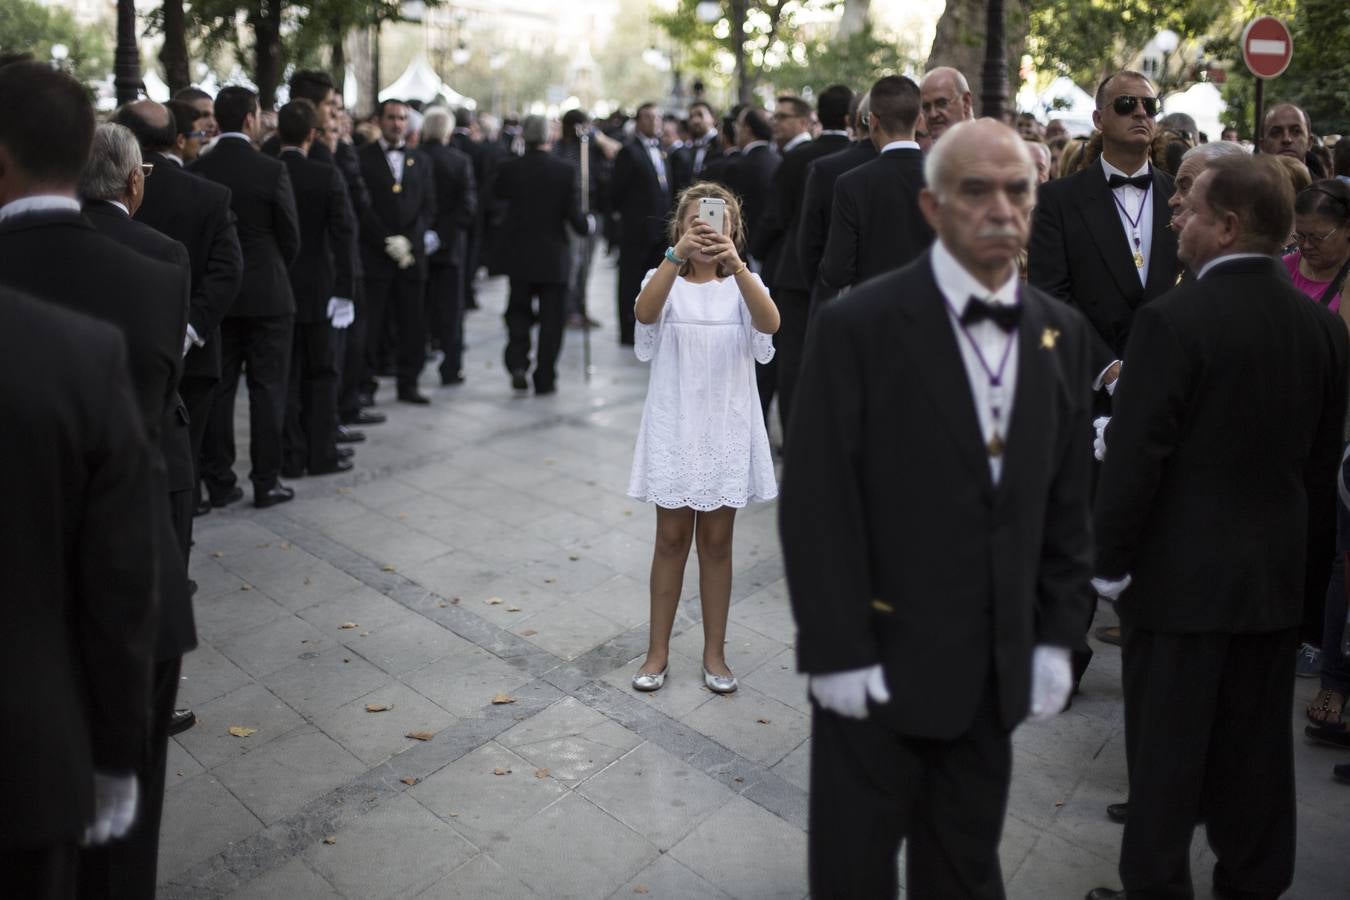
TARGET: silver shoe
(720,684)
(647,683)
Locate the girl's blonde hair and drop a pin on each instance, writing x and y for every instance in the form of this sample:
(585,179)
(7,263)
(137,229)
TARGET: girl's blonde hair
(689,197)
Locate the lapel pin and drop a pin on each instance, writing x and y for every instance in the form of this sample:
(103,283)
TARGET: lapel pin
(1048,338)
(409,162)
(398,188)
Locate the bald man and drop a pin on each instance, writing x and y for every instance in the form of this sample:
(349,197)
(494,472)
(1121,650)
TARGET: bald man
(946,100)
(1286,131)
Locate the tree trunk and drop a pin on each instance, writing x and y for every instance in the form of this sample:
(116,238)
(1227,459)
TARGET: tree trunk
(266,22)
(173,56)
(853,19)
(337,51)
(959,41)
(127,57)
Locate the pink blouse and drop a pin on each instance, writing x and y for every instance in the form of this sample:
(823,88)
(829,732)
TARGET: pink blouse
(1313,289)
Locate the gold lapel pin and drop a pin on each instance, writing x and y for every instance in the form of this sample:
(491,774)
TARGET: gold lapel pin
(1048,338)
(409,162)
(398,188)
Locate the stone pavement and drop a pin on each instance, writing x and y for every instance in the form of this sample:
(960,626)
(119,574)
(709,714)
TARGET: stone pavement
(483,550)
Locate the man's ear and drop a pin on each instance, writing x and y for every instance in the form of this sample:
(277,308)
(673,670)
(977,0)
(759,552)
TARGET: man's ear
(928,205)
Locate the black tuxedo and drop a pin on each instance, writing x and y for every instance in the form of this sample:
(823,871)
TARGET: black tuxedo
(901,551)
(817,202)
(1079,253)
(684,163)
(875,224)
(543,198)
(483,165)
(717,168)
(643,203)
(749,177)
(456,212)
(1219,475)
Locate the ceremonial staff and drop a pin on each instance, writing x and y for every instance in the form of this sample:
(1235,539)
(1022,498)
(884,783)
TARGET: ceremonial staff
(584,137)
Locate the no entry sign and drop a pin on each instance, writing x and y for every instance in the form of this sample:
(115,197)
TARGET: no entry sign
(1267,47)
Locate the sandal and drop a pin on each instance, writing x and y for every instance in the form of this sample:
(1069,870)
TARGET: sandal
(1326,708)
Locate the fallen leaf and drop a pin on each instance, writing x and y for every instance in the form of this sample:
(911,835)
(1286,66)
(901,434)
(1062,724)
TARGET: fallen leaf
(454,600)
(541,773)
(441,604)
(513,608)
(245,587)
(762,721)
(218,555)
(262,546)
(346,625)
(241,731)
(453,815)
(364,634)
(528,632)
(410,780)
(346,659)
(641,889)
(403,515)
(386,568)
(550,580)
(739,780)
(420,735)
(344,490)
(378,707)
(627,512)
(501,771)
(307,581)
(574,558)
(494,601)
(330,840)
(502,698)
(285,546)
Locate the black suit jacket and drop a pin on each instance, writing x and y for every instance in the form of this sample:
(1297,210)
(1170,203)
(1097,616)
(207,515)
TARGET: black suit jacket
(78,555)
(899,548)
(327,233)
(813,227)
(456,201)
(196,212)
(1222,453)
(1079,253)
(409,211)
(543,198)
(682,163)
(875,224)
(269,228)
(719,167)
(776,237)
(643,205)
(749,178)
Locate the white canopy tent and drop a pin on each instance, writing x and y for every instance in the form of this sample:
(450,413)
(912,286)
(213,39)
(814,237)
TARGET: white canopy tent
(1067,102)
(420,82)
(1203,103)
(155,88)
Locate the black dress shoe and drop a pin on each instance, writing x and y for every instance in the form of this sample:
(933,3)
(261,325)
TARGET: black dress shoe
(366,398)
(181,721)
(1341,772)
(203,507)
(272,496)
(541,390)
(339,465)
(518,380)
(1105,893)
(347,435)
(413,397)
(364,417)
(345,452)
(452,380)
(233,495)
(1116,812)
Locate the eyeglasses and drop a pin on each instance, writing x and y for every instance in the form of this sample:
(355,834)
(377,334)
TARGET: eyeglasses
(1313,240)
(1125,104)
(198,135)
(147,168)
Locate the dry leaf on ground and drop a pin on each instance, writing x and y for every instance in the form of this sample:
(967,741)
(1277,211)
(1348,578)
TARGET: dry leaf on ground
(541,773)
(762,721)
(420,735)
(550,580)
(501,770)
(245,587)
(409,780)
(345,625)
(386,568)
(528,632)
(378,707)
(574,558)
(241,731)
(513,608)
(499,699)
(330,840)
(641,889)
(217,555)
(494,601)
(441,604)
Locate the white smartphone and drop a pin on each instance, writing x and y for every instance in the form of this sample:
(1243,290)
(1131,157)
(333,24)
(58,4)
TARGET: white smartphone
(714,212)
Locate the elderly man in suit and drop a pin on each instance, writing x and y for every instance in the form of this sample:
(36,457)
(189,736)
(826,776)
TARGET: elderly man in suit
(456,211)
(643,187)
(936,507)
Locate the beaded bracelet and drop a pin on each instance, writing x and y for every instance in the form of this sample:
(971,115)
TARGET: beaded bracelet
(670,255)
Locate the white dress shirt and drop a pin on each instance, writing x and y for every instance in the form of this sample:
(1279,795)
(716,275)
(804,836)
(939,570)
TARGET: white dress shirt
(175,157)
(701,149)
(958,286)
(38,203)
(900,145)
(394,156)
(1227,258)
(798,140)
(1139,206)
(658,159)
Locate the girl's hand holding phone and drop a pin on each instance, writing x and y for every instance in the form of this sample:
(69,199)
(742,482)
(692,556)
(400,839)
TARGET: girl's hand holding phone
(722,250)
(694,239)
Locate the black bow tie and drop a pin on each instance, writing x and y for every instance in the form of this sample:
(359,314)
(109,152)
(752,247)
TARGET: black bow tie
(1003,315)
(401,147)
(1143,182)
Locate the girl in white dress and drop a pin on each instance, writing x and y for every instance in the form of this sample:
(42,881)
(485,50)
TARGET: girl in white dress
(704,320)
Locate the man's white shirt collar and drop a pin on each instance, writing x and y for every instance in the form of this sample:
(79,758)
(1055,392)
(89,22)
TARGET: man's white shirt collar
(753,144)
(234,134)
(797,141)
(1218,260)
(900,145)
(173,156)
(38,203)
(958,285)
(836,131)
(120,205)
(1108,170)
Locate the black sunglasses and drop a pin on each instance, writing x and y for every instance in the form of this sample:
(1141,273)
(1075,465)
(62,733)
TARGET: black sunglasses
(1125,103)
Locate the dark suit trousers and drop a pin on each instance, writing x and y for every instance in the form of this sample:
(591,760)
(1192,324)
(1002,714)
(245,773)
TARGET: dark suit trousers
(398,300)
(44,873)
(1207,735)
(352,358)
(794,308)
(872,788)
(261,347)
(125,869)
(445,310)
(198,394)
(634,261)
(519,319)
(311,402)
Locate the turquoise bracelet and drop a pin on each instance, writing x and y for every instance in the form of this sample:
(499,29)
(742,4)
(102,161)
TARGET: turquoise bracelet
(670,255)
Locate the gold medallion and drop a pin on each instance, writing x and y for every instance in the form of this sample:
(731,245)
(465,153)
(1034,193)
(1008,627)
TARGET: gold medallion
(409,162)
(995,445)
(398,188)
(1048,338)
(1138,260)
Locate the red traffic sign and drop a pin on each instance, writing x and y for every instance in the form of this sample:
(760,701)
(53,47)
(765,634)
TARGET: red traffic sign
(1267,47)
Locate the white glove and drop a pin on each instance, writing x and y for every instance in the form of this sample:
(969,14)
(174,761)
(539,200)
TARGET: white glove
(846,693)
(431,242)
(341,312)
(1099,443)
(400,250)
(187,343)
(1051,682)
(592,224)
(1111,590)
(115,801)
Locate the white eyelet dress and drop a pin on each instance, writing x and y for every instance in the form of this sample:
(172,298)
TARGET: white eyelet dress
(702,442)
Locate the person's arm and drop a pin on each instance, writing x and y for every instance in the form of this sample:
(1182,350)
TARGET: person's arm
(763,311)
(341,235)
(222,274)
(839,264)
(285,219)
(653,295)
(466,196)
(815,219)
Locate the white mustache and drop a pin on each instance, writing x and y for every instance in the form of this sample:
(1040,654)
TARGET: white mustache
(1003,231)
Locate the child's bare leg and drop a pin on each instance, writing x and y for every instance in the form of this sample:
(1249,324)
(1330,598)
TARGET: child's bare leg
(713,536)
(674,533)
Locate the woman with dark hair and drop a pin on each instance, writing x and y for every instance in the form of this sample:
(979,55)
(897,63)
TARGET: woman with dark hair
(1322,235)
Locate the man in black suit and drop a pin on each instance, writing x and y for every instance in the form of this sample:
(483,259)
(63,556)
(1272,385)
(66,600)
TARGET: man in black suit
(643,188)
(1220,458)
(484,163)
(196,213)
(703,147)
(716,168)
(256,333)
(394,249)
(456,211)
(78,557)
(876,225)
(321,280)
(543,198)
(918,528)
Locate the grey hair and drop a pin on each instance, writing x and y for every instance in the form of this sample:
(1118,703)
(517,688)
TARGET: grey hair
(114,156)
(957,77)
(436,124)
(935,164)
(1207,153)
(534,131)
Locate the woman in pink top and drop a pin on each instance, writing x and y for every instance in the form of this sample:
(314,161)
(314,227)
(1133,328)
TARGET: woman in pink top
(1322,232)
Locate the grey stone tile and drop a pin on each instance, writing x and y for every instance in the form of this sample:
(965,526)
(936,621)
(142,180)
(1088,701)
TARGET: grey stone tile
(481,878)
(564,526)
(225,615)
(509,554)
(409,644)
(367,608)
(757,727)
(395,851)
(767,611)
(655,794)
(213,579)
(683,692)
(625,553)
(670,880)
(206,675)
(466,682)
(251,706)
(293,879)
(327,510)
(796,766)
(778,678)
(745,650)
(374,737)
(201,817)
(520,598)
(283,775)
(179,766)
(1040,787)
(277,644)
(384,493)
(621,599)
(1056,868)
(565,575)
(453,525)
(600,854)
(386,541)
(567,630)
(769,858)
(569,739)
(315,686)
(458,574)
(300,586)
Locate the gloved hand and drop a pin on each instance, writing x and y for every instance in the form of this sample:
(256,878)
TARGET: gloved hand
(431,242)
(846,693)
(1111,590)
(592,224)
(1111,388)
(187,343)
(1099,443)
(400,250)
(341,312)
(1051,682)
(115,800)
(191,339)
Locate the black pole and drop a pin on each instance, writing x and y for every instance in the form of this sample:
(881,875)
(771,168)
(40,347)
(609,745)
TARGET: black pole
(1256,112)
(375,66)
(738,38)
(994,84)
(127,58)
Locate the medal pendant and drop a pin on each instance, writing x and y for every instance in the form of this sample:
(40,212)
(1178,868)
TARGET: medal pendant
(1138,260)
(995,445)
(398,189)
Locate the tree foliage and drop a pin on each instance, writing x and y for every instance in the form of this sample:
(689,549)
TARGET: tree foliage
(29,27)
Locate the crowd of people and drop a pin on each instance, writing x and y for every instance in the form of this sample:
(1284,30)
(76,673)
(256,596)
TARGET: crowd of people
(939,307)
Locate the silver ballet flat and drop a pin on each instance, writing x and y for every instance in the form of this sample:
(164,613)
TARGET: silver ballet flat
(647,683)
(720,684)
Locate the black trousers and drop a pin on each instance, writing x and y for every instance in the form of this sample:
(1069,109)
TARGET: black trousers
(1207,735)
(311,401)
(872,788)
(260,347)
(42,873)
(445,313)
(634,261)
(125,869)
(794,308)
(398,300)
(519,319)
(197,393)
(766,376)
